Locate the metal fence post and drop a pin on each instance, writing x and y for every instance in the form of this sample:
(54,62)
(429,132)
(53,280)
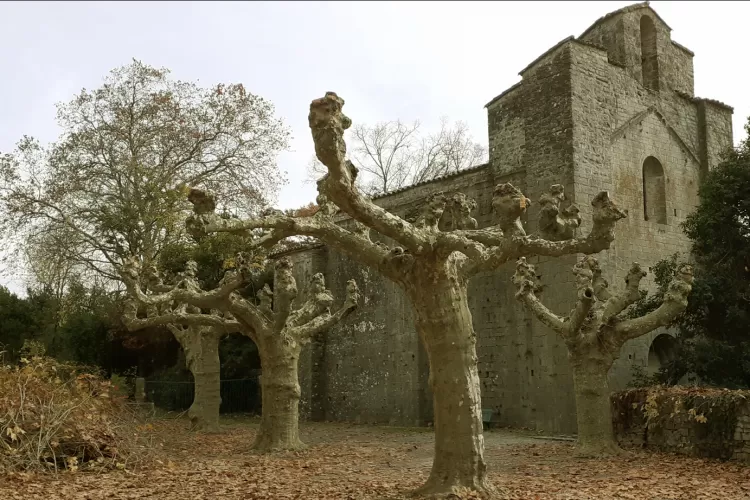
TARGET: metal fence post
(140,389)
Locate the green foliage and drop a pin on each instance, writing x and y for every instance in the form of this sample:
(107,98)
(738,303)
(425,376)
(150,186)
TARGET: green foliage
(239,357)
(75,328)
(123,385)
(17,323)
(214,255)
(707,415)
(32,349)
(171,388)
(714,339)
(663,272)
(641,378)
(114,185)
(88,317)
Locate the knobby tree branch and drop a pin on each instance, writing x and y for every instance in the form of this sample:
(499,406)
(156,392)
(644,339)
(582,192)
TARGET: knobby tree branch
(328,123)
(598,313)
(443,226)
(279,226)
(673,304)
(273,315)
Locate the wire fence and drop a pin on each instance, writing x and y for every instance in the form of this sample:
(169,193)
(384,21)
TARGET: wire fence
(237,395)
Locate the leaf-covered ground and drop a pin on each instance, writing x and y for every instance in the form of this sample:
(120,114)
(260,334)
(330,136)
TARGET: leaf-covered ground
(364,462)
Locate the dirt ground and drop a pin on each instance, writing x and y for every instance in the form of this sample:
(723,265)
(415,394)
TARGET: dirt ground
(365,462)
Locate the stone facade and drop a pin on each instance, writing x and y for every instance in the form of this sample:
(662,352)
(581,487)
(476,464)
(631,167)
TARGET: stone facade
(581,116)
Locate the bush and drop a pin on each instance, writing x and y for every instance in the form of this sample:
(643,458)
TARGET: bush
(56,416)
(703,419)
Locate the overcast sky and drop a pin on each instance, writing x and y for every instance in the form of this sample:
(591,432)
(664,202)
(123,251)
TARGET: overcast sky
(388,60)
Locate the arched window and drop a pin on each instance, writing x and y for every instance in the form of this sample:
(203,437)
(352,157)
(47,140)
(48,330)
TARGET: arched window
(654,191)
(649,59)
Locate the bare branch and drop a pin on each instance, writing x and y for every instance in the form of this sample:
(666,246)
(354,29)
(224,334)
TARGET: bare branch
(525,280)
(265,299)
(154,280)
(284,293)
(554,224)
(455,213)
(326,320)
(320,225)
(584,272)
(319,301)
(385,152)
(327,123)
(605,215)
(254,321)
(315,170)
(675,302)
(132,322)
(181,293)
(115,175)
(618,303)
(510,204)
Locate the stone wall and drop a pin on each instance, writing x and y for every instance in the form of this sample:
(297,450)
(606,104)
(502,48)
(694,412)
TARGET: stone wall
(619,35)
(372,368)
(580,117)
(694,422)
(619,125)
(716,123)
(524,367)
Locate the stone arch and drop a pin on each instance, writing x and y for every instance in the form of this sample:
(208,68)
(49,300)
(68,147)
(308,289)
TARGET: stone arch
(654,191)
(661,352)
(649,55)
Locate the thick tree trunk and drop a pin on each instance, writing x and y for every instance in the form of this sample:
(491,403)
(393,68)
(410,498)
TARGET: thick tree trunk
(279,424)
(593,409)
(444,323)
(203,363)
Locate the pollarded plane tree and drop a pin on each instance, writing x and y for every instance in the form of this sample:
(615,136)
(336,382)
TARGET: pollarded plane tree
(432,267)
(595,331)
(198,334)
(276,322)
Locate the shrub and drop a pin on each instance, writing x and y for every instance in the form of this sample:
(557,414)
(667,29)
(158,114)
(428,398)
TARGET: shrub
(705,418)
(56,416)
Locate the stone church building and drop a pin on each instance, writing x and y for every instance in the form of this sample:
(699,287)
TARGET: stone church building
(612,109)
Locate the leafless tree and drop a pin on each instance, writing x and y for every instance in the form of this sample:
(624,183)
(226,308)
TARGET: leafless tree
(392,155)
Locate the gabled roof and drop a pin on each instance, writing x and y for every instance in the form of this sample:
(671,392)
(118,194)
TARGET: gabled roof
(692,98)
(430,181)
(309,246)
(547,52)
(653,111)
(499,96)
(629,8)
(531,64)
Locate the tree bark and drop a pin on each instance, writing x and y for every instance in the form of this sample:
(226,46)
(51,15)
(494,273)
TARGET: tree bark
(279,424)
(593,408)
(202,354)
(444,324)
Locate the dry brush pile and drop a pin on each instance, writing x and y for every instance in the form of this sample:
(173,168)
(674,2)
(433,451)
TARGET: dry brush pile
(56,416)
